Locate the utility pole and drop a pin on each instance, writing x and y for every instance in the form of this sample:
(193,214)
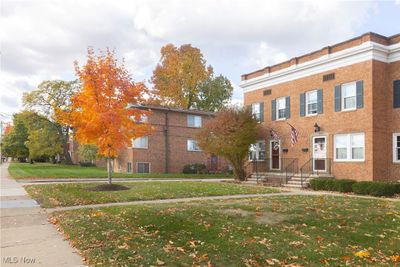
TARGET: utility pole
(1,142)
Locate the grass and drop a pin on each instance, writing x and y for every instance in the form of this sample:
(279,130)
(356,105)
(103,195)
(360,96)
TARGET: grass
(48,170)
(58,195)
(278,231)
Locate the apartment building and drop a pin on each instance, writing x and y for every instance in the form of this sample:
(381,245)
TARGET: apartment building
(344,102)
(171,145)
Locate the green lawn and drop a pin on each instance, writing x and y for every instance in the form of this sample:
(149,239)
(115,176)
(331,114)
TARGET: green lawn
(274,231)
(48,170)
(56,195)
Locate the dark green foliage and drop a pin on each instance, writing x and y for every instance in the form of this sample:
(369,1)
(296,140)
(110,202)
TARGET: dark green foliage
(195,168)
(362,188)
(87,164)
(343,185)
(377,189)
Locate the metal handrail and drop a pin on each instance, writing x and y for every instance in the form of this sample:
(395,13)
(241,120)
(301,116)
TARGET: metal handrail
(291,164)
(310,165)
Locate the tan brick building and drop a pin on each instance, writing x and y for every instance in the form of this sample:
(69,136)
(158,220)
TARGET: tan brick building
(344,101)
(170,146)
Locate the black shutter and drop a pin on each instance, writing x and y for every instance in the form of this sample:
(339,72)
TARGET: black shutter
(338,99)
(396,94)
(302,104)
(360,94)
(287,111)
(320,102)
(273,110)
(262,112)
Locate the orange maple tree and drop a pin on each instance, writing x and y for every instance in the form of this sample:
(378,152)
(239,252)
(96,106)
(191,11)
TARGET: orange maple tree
(101,112)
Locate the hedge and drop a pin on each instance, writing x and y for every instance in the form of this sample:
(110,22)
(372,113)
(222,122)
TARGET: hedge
(194,168)
(378,189)
(387,189)
(341,185)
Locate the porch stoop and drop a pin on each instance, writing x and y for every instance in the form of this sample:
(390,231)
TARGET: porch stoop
(295,181)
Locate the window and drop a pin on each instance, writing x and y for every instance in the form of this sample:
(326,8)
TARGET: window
(129,167)
(257,151)
(396,147)
(143,118)
(311,102)
(256,110)
(349,96)
(143,167)
(194,121)
(349,147)
(281,108)
(192,145)
(141,142)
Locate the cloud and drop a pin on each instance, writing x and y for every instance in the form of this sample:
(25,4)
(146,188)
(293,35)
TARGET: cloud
(42,38)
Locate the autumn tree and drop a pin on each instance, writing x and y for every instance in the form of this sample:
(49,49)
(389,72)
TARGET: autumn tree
(230,135)
(13,143)
(101,114)
(183,79)
(32,136)
(50,99)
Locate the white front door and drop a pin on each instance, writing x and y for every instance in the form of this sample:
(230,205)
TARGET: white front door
(319,153)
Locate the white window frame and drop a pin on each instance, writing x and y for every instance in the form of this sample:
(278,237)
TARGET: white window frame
(349,147)
(189,146)
(197,121)
(137,166)
(129,170)
(395,147)
(316,102)
(277,108)
(256,110)
(342,96)
(257,150)
(141,147)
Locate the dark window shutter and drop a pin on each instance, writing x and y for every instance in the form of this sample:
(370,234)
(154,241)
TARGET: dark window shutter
(302,104)
(338,104)
(261,111)
(360,94)
(320,101)
(273,110)
(287,103)
(396,94)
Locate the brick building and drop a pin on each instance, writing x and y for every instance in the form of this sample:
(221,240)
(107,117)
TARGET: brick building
(343,100)
(170,146)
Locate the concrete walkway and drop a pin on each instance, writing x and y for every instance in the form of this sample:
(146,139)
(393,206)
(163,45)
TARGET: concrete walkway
(119,180)
(27,238)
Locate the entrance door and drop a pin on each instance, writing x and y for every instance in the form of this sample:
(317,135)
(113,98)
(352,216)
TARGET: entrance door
(214,162)
(319,153)
(275,148)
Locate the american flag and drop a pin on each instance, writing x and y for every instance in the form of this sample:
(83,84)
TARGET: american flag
(274,135)
(293,134)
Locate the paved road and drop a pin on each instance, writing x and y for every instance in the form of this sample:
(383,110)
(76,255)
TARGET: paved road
(27,238)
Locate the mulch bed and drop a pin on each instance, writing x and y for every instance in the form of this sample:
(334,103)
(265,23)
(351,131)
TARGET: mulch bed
(107,187)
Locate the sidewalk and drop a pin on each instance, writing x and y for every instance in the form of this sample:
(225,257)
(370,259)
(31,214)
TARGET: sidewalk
(27,238)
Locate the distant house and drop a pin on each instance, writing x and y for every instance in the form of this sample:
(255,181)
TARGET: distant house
(171,145)
(344,102)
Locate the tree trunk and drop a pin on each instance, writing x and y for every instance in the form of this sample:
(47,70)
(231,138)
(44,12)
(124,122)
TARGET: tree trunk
(109,170)
(64,143)
(239,171)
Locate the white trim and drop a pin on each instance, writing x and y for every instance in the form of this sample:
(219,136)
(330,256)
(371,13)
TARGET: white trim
(270,154)
(363,52)
(326,151)
(395,135)
(348,147)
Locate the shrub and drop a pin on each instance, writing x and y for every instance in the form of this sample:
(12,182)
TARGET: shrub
(344,185)
(321,184)
(377,189)
(86,164)
(195,168)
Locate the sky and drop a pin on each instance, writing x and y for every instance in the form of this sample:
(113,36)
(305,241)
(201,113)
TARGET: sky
(40,39)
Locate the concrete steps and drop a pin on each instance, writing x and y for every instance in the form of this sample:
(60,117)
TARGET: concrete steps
(294,181)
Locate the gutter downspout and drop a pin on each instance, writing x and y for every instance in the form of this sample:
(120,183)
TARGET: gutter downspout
(166,152)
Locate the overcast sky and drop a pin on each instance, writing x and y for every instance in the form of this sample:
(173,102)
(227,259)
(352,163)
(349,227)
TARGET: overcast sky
(40,39)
